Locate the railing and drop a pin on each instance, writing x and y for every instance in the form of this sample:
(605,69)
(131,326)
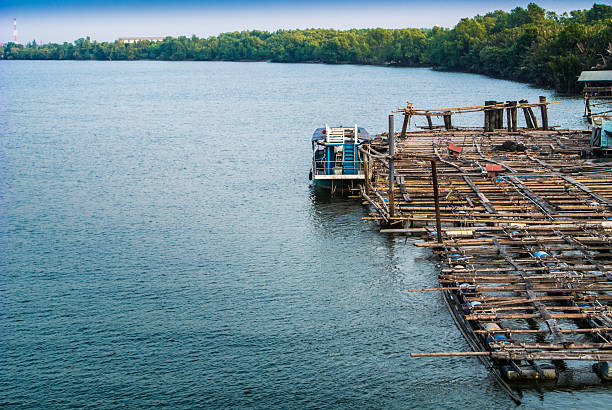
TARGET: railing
(322,167)
(597,90)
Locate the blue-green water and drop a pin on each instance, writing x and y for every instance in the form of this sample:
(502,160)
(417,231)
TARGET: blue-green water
(160,244)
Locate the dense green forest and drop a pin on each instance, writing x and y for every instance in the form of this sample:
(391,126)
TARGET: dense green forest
(529,45)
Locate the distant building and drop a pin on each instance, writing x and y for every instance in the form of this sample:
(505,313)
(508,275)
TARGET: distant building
(129,40)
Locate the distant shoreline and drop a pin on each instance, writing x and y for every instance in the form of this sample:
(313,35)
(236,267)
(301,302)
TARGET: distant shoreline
(526,45)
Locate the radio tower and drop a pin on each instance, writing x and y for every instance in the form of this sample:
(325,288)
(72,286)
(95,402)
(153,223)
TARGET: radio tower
(15,30)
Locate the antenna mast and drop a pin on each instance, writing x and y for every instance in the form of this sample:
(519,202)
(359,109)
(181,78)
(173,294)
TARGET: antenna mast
(15,30)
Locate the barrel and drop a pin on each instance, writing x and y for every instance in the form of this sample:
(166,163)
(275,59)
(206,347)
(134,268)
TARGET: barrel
(548,372)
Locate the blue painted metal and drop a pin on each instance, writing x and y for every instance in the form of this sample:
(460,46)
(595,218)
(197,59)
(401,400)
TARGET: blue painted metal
(350,164)
(601,137)
(329,166)
(606,134)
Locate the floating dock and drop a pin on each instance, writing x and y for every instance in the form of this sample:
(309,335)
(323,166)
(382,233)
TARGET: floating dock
(521,219)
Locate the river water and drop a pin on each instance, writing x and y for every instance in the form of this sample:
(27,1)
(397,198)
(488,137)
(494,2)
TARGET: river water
(161,246)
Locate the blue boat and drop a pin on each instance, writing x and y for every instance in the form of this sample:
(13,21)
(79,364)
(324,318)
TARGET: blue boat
(337,163)
(601,137)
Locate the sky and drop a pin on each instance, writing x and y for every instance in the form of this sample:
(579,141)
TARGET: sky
(59,21)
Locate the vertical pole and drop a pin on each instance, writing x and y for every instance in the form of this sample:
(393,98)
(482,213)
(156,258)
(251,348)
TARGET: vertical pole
(489,117)
(514,116)
(429,123)
(356,164)
(434,177)
(544,112)
(587,106)
(391,139)
(500,117)
(366,172)
(448,125)
(528,122)
(509,116)
(404,126)
(495,117)
(533,118)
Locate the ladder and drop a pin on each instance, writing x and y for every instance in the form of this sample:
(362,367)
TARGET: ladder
(348,163)
(334,135)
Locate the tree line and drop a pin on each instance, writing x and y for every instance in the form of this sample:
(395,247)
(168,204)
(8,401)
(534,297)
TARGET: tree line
(526,44)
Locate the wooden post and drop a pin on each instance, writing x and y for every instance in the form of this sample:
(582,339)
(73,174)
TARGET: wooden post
(434,177)
(534,119)
(429,123)
(528,122)
(391,139)
(447,120)
(366,171)
(489,117)
(404,126)
(495,115)
(508,116)
(514,116)
(587,106)
(544,112)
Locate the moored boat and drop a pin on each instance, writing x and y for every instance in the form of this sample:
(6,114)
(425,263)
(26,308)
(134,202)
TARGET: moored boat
(337,163)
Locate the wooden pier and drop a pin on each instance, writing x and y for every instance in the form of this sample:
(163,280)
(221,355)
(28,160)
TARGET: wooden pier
(522,221)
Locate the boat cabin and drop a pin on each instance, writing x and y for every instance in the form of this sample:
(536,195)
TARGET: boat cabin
(336,155)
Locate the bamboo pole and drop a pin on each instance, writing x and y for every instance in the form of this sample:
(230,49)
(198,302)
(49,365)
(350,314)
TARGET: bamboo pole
(537,331)
(450,354)
(525,355)
(391,140)
(434,177)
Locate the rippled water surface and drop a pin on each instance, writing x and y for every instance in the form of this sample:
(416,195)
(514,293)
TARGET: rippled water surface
(160,244)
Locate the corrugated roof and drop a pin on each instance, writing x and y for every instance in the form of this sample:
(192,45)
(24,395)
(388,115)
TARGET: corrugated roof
(603,75)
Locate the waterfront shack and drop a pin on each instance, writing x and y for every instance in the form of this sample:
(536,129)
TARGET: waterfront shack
(597,90)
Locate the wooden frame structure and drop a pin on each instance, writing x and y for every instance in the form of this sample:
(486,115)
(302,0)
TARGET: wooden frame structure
(522,220)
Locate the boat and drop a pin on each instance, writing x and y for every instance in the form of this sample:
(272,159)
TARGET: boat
(337,163)
(601,136)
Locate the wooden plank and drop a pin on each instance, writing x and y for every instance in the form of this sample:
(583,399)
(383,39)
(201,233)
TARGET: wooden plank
(402,186)
(544,313)
(586,189)
(483,199)
(584,252)
(541,202)
(380,210)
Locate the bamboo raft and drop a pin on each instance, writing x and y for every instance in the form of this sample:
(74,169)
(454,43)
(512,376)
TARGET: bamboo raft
(522,221)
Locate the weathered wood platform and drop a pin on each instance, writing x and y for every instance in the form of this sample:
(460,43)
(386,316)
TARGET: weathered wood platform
(524,233)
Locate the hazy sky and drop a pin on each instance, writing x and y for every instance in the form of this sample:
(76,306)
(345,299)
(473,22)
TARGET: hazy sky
(59,21)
